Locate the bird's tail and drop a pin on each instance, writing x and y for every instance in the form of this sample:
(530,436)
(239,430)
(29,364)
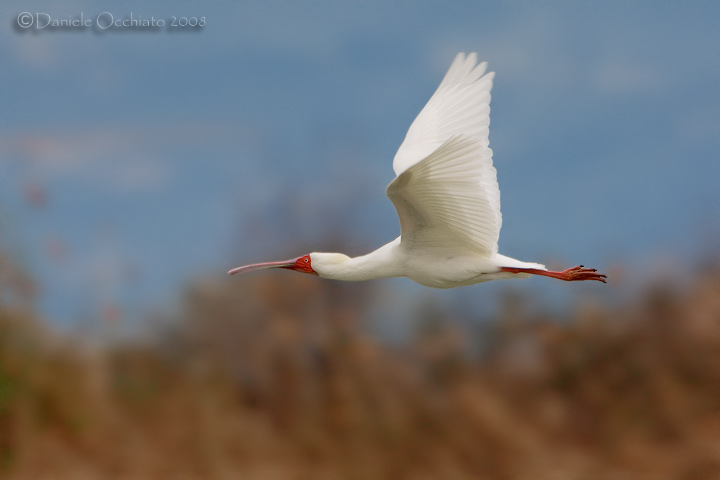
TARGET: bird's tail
(504,261)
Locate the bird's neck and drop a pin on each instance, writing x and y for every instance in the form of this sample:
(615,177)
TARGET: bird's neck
(381,263)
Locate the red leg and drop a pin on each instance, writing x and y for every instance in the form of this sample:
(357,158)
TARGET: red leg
(569,275)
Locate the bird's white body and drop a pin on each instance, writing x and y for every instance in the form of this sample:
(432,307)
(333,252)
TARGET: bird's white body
(437,268)
(447,198)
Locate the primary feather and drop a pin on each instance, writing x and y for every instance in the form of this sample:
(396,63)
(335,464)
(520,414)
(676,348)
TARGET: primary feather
(460,105)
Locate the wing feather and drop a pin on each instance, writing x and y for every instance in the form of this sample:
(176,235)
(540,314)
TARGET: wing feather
(447,199)
(460,105)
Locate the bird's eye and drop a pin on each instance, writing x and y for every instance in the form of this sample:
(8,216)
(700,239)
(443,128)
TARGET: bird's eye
(306,260)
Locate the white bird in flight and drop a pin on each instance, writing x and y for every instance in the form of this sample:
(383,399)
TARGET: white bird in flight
(447,197)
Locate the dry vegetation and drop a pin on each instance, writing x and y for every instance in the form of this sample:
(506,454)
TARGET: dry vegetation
(281,382)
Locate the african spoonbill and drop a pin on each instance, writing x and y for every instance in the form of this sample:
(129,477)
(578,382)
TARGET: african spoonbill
(447,197)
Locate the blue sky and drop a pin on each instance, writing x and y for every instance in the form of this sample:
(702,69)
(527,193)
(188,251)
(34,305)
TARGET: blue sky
(168,155)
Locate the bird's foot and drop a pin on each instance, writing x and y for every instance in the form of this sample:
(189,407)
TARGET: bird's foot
(580,273)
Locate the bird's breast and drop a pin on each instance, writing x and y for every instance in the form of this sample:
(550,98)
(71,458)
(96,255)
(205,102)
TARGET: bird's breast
(447,271)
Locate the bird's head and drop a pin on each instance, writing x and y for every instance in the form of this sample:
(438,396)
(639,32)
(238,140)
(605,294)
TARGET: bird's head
(313,263)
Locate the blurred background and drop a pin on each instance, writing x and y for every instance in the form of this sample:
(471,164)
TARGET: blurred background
(138,164)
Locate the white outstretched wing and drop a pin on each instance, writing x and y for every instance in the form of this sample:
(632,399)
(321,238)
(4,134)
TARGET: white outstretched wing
(446,190)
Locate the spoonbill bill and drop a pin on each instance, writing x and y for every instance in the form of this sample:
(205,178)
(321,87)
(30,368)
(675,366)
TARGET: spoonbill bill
(447,197)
